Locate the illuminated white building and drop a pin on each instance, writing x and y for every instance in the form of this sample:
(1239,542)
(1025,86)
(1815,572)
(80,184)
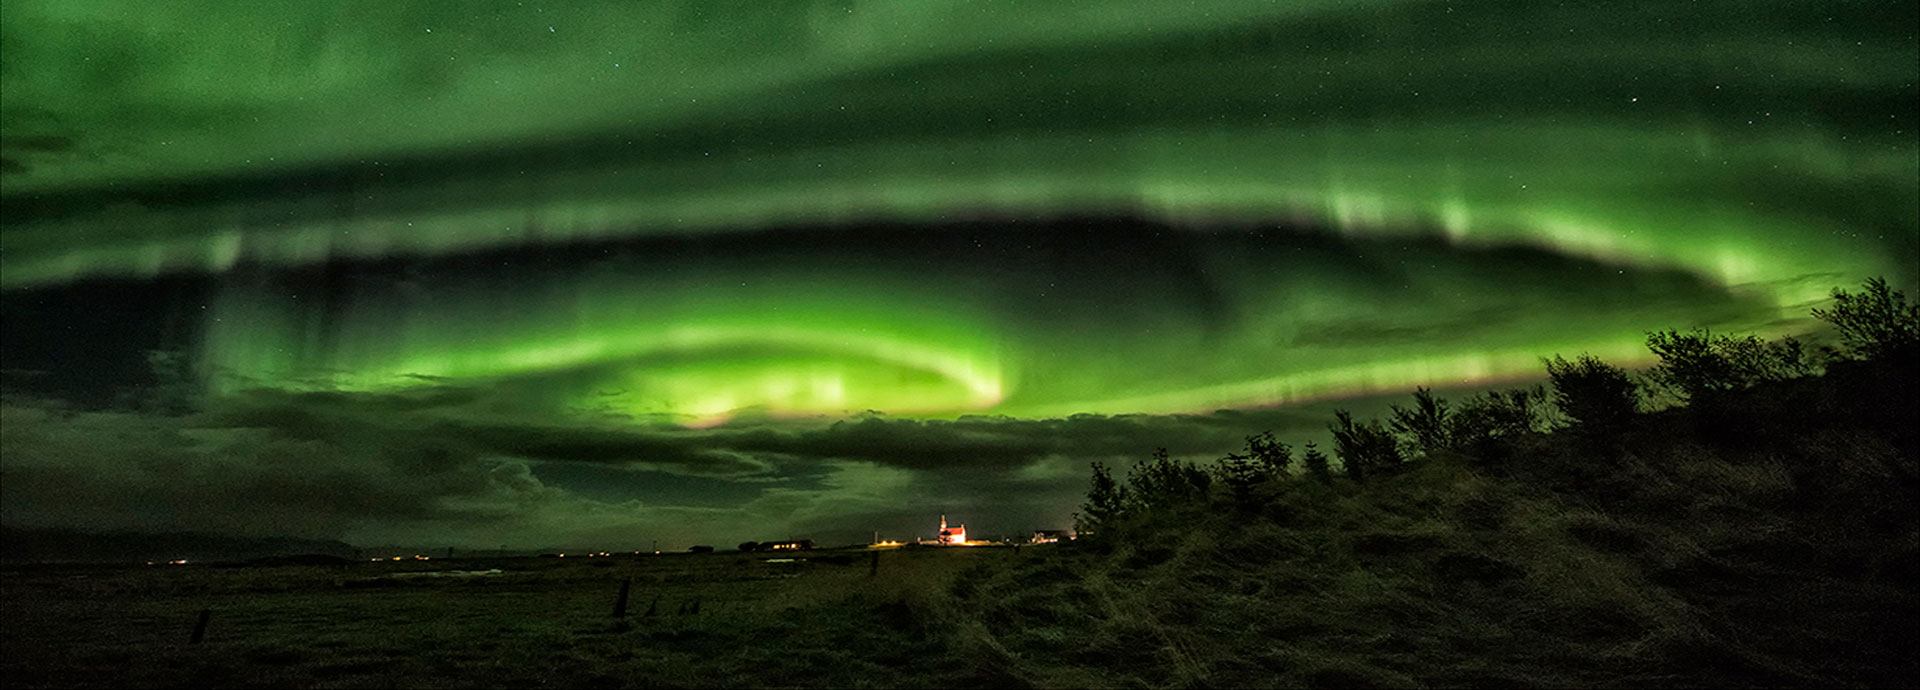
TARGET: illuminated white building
(952,535)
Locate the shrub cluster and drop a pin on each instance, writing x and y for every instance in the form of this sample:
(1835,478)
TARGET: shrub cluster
(1597,403)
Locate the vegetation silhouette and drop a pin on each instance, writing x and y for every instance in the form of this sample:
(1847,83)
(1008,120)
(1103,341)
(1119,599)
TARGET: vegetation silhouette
(1700,367)
(1243,474)
(1486,424)
(1365,448)
(1761,531)
(1316,464)
(1876,323)
(1163,484)
(1106,502)
(1597,399)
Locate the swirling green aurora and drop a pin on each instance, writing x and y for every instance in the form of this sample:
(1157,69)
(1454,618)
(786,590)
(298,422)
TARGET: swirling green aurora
(694,211)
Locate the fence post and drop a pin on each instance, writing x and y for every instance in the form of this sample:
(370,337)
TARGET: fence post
(200,626)
(620,603)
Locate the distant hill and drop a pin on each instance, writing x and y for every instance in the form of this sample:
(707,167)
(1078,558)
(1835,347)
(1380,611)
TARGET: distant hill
(21,546)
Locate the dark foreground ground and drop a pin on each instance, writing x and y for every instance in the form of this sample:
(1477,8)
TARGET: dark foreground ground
(1698,567)
(820,620)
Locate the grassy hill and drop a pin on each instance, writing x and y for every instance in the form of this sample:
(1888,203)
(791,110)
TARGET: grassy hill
(1764,538)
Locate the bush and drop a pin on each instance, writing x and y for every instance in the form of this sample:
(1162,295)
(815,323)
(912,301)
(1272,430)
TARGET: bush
(1164,483)
(1700,366)
(1272,456)
(1876,323)
(1424,424)
(1266,459)
(1494,415)
(1106,501)
(1595,396)
(1365,448)
(1241,477)
(1316,463)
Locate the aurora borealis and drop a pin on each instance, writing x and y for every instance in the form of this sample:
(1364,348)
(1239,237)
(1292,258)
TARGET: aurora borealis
(701,270)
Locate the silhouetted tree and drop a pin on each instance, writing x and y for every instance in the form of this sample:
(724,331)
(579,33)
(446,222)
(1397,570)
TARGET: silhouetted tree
(1163,483)
(1874,323)
(1878,327)
(1106,500)
(1265,459)
(749,546)
(1485,419)
(1365,448)
(1242,478)
(1425,424)
(1699,366)
(1316,463)
(1596,396)
(1273,456)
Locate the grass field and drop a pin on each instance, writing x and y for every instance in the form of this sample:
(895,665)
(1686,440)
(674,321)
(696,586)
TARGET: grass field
(819,620)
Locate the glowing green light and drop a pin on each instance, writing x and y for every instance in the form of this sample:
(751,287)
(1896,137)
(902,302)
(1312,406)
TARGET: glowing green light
(1750,159)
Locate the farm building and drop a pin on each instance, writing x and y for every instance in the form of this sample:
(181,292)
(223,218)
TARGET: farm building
(952,535)
(1049,536)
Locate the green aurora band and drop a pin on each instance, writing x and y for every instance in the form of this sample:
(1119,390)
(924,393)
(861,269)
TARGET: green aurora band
(1743,157)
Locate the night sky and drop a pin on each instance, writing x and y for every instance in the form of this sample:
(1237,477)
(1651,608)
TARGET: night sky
(599,274)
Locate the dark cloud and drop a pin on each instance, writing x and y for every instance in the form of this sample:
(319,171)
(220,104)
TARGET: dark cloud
(663,452)
(388,468)
(123,470)
(976,444)
(18,152)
